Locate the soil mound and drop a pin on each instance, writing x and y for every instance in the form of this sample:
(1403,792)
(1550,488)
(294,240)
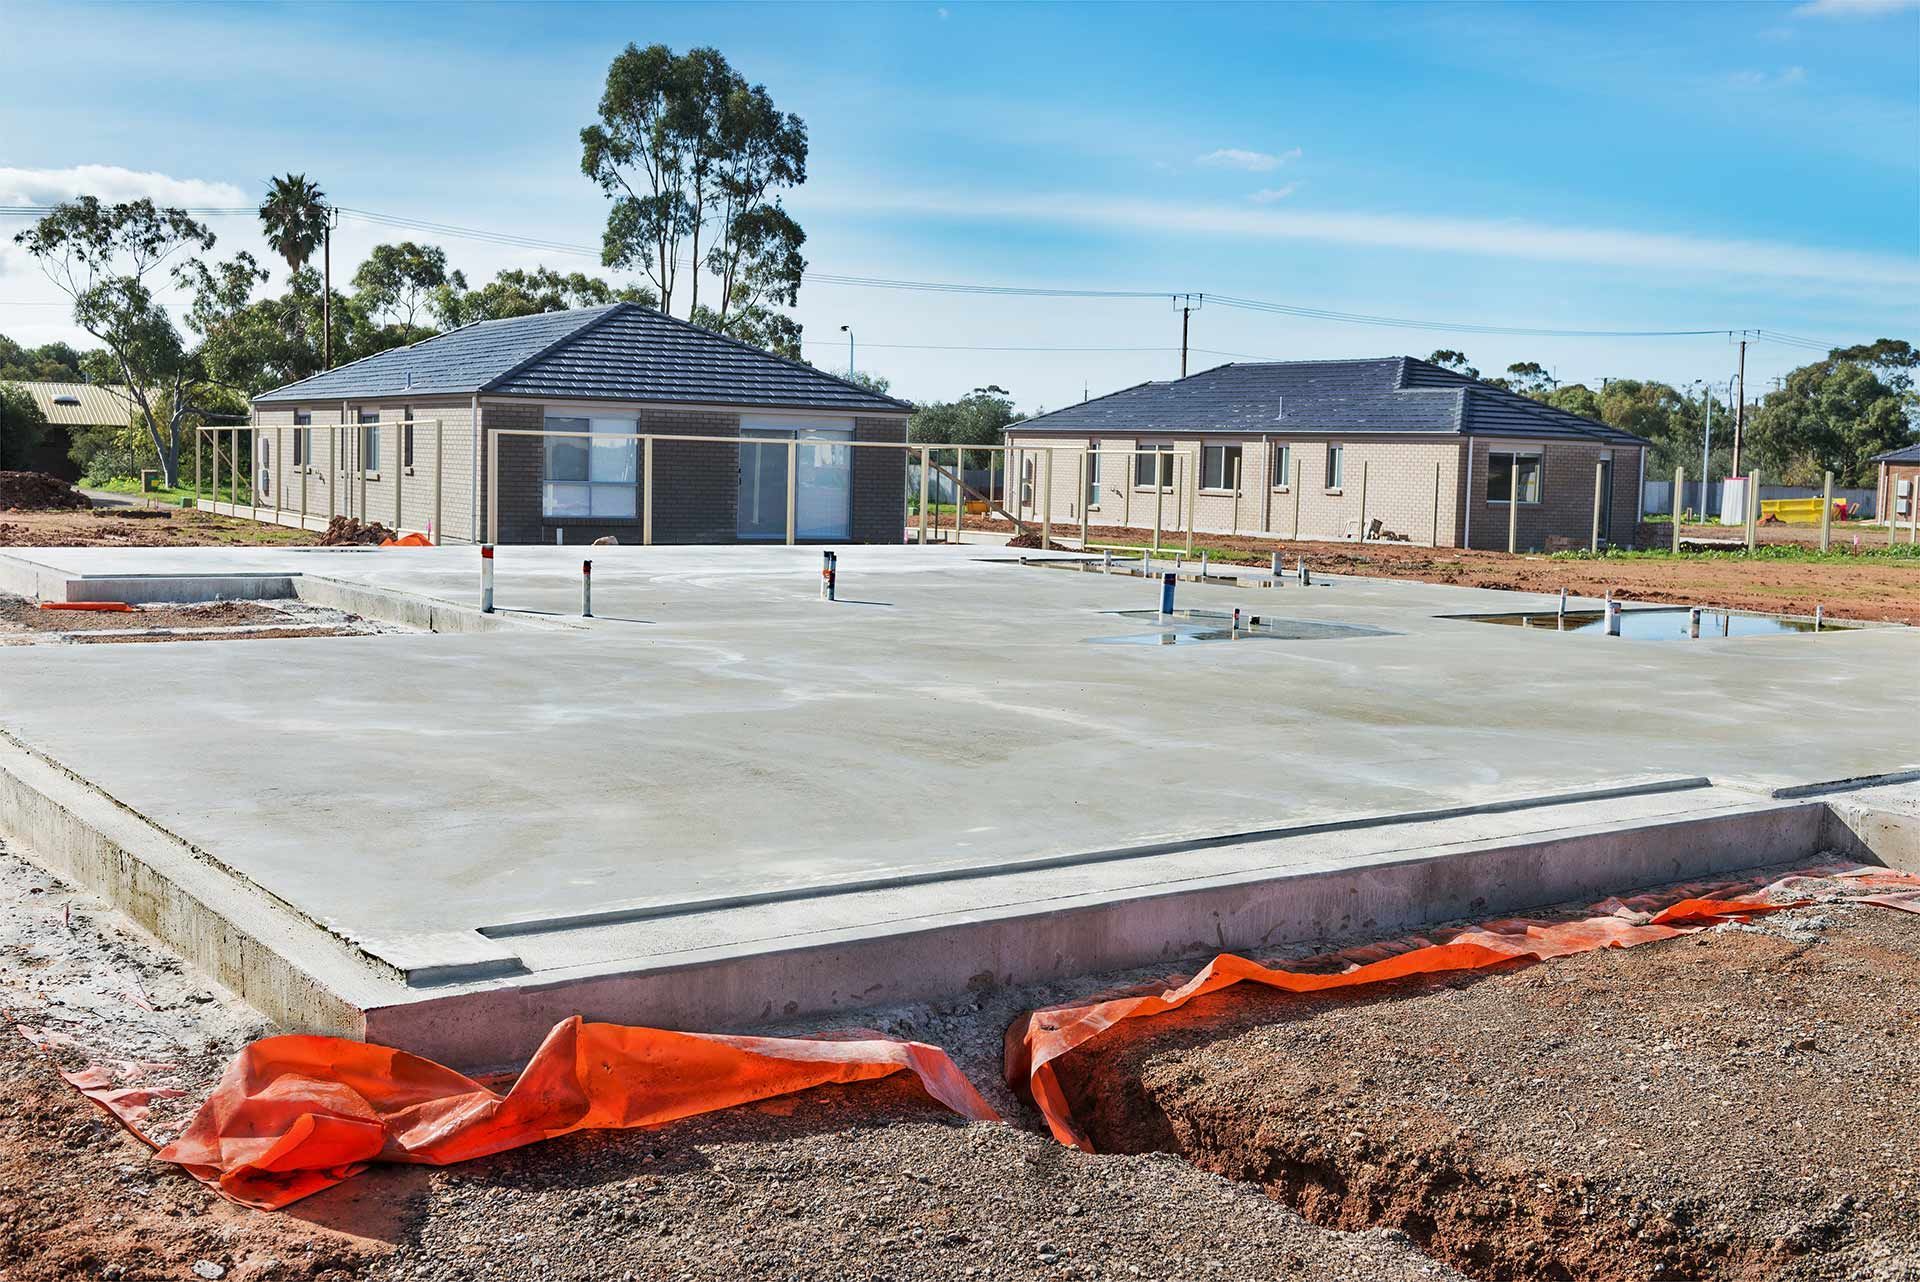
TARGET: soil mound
(38,492)
(345,530)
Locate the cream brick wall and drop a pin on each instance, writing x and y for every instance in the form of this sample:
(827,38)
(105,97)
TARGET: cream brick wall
(1402,474)
(333,478)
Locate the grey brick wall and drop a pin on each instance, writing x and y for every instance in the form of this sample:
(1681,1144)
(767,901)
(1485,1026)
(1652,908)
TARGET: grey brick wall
(879,483)
(1565,509)
(696,485)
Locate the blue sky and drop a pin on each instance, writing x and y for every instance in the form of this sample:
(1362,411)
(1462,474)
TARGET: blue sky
(1559,166)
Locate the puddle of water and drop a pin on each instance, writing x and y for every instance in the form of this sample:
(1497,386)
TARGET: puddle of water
(1662,625)
(1192,627)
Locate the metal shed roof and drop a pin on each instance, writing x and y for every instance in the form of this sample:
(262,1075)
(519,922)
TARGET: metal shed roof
(619,352)
(81,404)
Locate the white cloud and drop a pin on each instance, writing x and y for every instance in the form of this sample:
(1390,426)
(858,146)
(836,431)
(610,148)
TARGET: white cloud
(1853,8)
(1269,195)
(1838,270)
(112,183)
(1257,162)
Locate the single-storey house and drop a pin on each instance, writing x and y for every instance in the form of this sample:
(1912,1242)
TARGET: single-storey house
(69,409)
(1898,496)
(407,438)
(1325,449)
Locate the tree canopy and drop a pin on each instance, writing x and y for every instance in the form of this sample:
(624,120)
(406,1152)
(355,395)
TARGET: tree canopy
(527,293)
(690,155)
(981,417)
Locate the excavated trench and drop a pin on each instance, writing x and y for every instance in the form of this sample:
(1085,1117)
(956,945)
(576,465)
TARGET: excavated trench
(1731,1105)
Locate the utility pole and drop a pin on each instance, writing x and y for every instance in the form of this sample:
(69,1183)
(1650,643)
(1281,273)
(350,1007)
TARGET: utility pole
(326,289)
(1189,303)
(1740,409)
(848,331)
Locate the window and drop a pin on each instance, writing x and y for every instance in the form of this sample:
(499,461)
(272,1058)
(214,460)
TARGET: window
(1144,466)
(1026,480)
(1282,466)
(369,440)
(302,437)
(1336,465)
(1220,467)
(266,466)
(406,437)
(587,477)
(1500,476)
(1093,474)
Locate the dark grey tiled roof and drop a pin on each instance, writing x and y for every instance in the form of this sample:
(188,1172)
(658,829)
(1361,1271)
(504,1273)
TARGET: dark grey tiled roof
(1905,454)
(1386,394)
(620,352)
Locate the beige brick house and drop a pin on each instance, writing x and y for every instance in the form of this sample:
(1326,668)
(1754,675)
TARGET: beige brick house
(407,438)
(1898,492)
(1327,449)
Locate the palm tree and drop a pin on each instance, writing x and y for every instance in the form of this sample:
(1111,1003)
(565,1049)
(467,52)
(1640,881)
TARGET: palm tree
(295,216)
(297,222)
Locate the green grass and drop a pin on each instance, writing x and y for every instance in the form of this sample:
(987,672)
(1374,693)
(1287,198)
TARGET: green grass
(177,495)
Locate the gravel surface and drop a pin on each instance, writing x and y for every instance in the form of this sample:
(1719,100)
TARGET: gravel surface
(1735,1104)
(865,1182)
(183,527)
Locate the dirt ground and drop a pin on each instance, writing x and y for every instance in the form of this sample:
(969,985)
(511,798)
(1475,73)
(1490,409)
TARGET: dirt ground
(140,527)
(1872,588)
(1731,1105)
(866,1182)
(23,622)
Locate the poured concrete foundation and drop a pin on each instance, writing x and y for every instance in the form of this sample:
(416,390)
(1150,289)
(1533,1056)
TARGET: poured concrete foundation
(723,799)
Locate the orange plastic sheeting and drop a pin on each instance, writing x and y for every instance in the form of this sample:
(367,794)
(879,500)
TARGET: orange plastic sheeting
(108,607)
(408,541)
(294,1115)
(1034,1048)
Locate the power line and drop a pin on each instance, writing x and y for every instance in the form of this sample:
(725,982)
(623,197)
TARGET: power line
(517,241)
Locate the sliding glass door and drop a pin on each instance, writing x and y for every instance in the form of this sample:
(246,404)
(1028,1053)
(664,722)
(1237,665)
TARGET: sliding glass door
(823,480)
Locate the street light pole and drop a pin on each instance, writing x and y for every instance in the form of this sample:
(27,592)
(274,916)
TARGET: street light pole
(848,331)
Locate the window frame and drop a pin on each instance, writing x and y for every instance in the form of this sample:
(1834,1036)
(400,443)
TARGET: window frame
(1230,452)
(302,438)
(1092,497)
(1336,467)
(1144,450)
(631,423)
(406,439)
(367,440)
(1280,460)
(1538,472)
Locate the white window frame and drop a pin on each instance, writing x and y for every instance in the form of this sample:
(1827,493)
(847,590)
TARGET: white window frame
(1280,459)
(627,425)
(1228,451)
(1336,465)
(1538,458)
(368,441)
(1092,496)
(302,438)
(1146,449)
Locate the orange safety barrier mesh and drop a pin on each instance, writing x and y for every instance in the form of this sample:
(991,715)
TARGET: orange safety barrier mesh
(108,607)
(1035,1045)
(297,1114)
(408,541)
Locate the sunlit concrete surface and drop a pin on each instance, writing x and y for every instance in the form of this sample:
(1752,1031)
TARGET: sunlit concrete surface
(721,760)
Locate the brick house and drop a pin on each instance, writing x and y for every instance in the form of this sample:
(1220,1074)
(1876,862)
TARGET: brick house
(406,438)
(1324,449)
(1898,495)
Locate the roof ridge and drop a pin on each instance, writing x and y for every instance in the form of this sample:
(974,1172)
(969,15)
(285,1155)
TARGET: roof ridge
(1104,396)
(587,325)
(796,364)
(404,347)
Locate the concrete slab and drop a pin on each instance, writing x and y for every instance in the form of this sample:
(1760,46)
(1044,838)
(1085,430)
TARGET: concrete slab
(720,771)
